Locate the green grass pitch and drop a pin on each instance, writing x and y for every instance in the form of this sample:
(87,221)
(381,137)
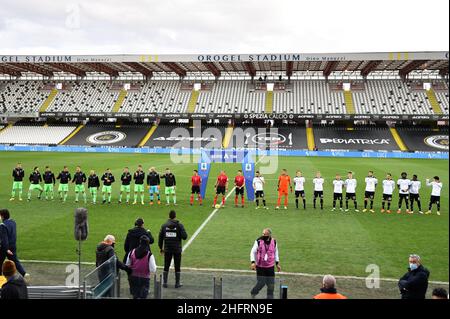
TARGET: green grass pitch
(310,241)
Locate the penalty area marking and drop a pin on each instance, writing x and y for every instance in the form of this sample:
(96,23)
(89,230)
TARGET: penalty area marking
(235,271)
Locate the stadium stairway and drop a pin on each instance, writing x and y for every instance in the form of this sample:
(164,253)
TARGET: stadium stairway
(227,137)
(193,101)
(433,101)
(48,100)
(310,137)
(6,127)
(349,106)
(119,101)
(74,132)
(147,136)
(269,102)
(401,145)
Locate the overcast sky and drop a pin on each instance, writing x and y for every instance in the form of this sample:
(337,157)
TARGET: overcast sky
(226,26)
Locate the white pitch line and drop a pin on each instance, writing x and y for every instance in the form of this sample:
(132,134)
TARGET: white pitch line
(197,232)
(300,274)
(205,222)
(237,271)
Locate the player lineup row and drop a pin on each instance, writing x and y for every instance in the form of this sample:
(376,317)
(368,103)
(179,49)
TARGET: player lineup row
(409,190)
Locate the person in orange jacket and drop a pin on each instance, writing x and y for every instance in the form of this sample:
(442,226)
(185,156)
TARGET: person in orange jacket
(328,290)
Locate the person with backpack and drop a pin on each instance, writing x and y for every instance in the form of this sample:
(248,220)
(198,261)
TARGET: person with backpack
(134,236)
(142,263)
(264,258)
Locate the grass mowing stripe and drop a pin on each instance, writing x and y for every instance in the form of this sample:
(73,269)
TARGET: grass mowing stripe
(205,222)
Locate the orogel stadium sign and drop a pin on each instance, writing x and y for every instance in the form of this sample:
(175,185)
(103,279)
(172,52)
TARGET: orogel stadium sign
(360,141)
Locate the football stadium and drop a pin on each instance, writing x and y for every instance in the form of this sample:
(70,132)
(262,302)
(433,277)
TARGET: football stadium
(363,138)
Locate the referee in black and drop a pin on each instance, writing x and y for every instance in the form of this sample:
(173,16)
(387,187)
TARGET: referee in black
(171,235)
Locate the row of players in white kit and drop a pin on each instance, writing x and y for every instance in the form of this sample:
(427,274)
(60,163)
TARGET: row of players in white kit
(408,191)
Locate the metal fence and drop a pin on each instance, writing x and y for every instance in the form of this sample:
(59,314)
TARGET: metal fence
(103,281)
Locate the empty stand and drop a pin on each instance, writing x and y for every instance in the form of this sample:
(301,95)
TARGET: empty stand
(22,96)
(34,134)
(391,97)
(424,139)
(309,97)
(85,96)
(225,96)
(231,97)
(157,96)
(333,137)
(440,89)
(442,99)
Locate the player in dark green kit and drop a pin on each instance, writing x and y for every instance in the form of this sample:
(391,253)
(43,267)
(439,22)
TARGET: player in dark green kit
(139,177)
(93,186)
(107,180)
(79,178)
(35,180)
(125,187)
(171,185)
(18,174)
(153,184)
(49,183)
(63,188)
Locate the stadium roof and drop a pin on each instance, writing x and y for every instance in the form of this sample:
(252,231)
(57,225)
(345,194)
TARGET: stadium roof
(222,64)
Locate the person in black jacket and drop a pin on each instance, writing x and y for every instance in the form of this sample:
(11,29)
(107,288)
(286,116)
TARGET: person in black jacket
(133,237)
(15,286)
(105,250)
(8,239)
(414,284)
(171,185)
(126,187)
(108,179)
(49,183)
(170,237)
(35,183)
(18,175)
(93,186)
(153,185)
(79,178)
(64,179)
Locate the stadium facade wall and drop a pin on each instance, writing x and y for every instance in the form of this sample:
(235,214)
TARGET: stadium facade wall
(279,152)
